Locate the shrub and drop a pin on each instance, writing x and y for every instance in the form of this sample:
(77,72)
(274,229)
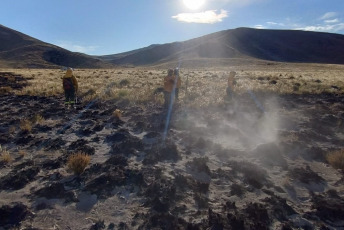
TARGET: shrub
(124,82)
(117,113)
(37,119)
(25,125)
(122,93)
(6,157)
(336,159)
(78,162)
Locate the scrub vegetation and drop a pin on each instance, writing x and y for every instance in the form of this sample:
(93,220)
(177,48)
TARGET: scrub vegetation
(204,86)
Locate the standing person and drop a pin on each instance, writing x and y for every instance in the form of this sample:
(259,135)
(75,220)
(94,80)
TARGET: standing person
(230,87)
(70,87)
(178,83)
(168,87)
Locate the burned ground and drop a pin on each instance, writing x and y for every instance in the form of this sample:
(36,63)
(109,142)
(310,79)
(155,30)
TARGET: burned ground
(217,168)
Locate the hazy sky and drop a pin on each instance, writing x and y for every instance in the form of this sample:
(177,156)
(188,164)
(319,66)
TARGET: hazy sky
(112,26)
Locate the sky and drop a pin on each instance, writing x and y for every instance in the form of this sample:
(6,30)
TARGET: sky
(101,27)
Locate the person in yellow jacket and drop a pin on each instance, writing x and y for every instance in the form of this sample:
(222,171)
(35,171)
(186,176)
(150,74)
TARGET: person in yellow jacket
(70,87)
(230,86)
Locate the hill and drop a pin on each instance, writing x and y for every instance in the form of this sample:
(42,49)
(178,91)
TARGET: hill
(230,47)
(18,50)
(242,45)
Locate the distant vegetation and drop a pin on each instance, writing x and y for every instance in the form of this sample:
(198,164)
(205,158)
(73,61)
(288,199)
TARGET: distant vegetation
(205,86)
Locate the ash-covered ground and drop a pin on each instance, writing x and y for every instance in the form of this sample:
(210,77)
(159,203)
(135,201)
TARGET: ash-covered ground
(257,163)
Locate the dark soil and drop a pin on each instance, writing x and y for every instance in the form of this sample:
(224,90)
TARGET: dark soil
(184,180)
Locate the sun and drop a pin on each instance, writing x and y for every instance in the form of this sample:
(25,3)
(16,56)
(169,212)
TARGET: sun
(193,4)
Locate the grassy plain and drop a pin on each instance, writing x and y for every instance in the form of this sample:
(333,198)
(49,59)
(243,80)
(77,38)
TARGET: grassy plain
(204,86)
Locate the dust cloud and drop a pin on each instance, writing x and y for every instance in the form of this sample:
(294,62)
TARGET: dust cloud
(241,125)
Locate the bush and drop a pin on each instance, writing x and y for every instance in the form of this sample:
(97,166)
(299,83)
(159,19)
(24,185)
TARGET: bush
(122,93)
(336,159)
(37,119)
(78,162)
(6,157)
(25,125)
(117,114)
(124,82)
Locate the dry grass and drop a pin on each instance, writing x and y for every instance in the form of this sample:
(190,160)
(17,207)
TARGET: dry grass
(25,125)
(78,162)
(22,153)
(205,86)
(37,119)
(336,159)
(5,90)
(117,114)
(6,157)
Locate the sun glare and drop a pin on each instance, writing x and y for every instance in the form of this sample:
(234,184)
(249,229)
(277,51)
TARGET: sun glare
(193,4)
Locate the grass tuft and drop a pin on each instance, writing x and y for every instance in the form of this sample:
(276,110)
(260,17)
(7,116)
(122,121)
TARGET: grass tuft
(336,159)
(78,162)
(122,93)
(6,157)
(117,113)
(124,82)
(25,125)
(37,119)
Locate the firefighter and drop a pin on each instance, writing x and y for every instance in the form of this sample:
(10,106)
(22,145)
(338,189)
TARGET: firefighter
(70,87)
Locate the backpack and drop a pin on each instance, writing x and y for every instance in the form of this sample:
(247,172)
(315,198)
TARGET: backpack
(68,84)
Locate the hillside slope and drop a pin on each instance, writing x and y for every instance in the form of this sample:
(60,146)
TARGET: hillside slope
(245,44)
(235,46)
(18,50)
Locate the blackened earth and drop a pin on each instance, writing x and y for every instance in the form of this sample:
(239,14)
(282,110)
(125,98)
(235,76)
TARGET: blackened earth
(185,180)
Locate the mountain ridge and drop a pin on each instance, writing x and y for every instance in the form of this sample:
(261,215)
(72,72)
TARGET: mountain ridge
(18,50)
(240,45)
(269,45)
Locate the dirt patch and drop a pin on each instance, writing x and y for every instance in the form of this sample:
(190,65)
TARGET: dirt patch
(11,81)
(305,175)
(18,179)
(12,215)
(328,207)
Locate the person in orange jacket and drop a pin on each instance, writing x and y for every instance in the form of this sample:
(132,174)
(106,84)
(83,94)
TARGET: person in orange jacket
(168,87)
(172,84)
(70,87)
